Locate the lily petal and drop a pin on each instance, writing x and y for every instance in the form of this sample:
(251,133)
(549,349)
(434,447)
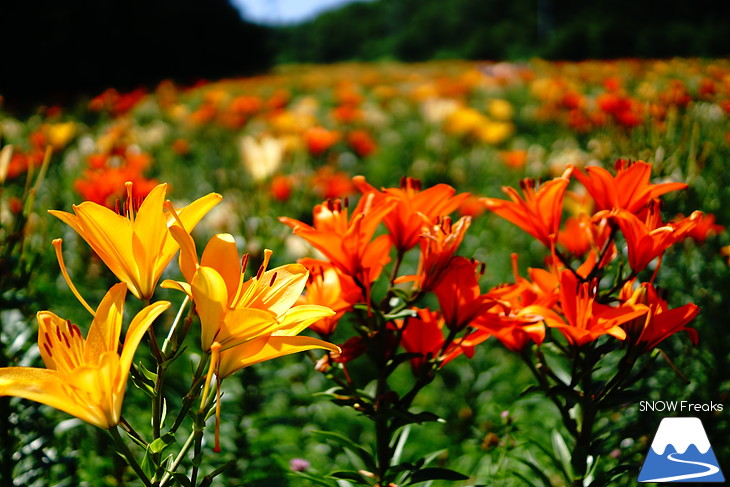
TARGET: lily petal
(267,348)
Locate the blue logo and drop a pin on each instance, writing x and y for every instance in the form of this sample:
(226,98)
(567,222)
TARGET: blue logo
(681,452)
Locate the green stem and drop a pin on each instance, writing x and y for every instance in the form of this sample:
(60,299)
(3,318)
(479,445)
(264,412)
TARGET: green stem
(589,411)
(208,479)
(178,460)
(544,383)
(193,393)
(124,451)
(173,341)
(383,430)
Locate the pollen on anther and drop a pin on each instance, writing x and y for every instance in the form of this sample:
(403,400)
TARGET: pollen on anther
(273,278)
(48,349)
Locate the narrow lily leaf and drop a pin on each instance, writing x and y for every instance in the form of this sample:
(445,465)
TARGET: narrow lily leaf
(436,473)
(347,443)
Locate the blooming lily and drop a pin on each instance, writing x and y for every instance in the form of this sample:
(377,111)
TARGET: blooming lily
(135,246)
(423,334)
(86,378)
(327,286)
(630,189)
(415,208)
(539,212)
(584,319)
(234,311)
(647,240)
(459,295)
(660,322)
(348,242)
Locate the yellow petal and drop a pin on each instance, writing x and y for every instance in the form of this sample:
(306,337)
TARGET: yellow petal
(190,216)
(267,348)
(188,260)
(60,343)
(47,387)
(70,220)
(221,254)
(136,331)
(148,240)
(111,236)
(244,324)
(104,332)
(299,318)
(278,289)
(178,285)
(211,297)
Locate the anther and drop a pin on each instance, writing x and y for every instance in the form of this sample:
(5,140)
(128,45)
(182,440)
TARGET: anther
(273,278)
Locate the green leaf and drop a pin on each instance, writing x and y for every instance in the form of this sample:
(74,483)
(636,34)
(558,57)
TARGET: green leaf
(356,449)
(182,480)
(148,374)
(312,478)
(407,417)
(536,470)
(436,473)
(350,475)
(161,443)
(401,443)
(562,453)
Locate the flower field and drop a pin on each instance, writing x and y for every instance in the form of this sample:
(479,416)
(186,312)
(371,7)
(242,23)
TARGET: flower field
(448,273)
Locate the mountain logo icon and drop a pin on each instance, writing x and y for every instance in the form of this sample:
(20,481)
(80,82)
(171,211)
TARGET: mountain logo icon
(681,452)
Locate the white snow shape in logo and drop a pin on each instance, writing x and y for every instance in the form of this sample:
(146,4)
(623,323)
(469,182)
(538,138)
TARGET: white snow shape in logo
(680,433)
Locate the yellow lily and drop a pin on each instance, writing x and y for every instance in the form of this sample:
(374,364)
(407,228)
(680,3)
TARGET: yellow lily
(244,322)
(135,247)
(233,311)
(85,378)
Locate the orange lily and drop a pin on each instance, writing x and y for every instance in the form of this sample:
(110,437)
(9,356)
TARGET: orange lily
(85,378)
(510,320)
(648,240)
(327,287)
(348,242)
(584,319)
(458,293)
(439,242)
(135,246)
(539,212)
(423,334)
(630,189)
(415,208)
(660,322)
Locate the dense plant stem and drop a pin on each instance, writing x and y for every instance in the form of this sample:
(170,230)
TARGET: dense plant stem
(123,450)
